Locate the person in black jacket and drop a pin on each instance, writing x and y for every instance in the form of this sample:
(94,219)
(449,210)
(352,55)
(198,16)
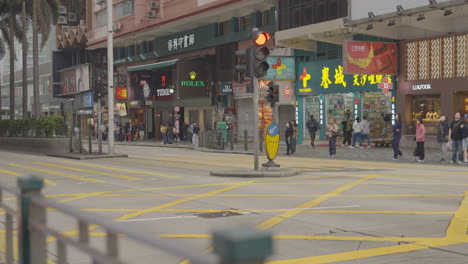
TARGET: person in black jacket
(288,137)
(442,137)
(456,134)
(313,126)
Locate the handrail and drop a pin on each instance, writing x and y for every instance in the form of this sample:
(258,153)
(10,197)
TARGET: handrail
(151,241)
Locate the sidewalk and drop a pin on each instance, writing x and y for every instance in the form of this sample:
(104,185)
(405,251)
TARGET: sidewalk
(378,154)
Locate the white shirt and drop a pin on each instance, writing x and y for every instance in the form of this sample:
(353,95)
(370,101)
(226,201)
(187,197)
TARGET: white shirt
(357,127)
(365,127)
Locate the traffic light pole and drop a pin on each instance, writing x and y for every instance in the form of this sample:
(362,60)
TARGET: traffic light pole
(110,76)
(99,123)
(255,124)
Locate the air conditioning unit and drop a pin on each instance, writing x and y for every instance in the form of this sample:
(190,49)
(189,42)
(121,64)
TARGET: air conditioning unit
(62,20)
(65,29)
(153,14)
(62,10)
(72,17)
(154,4)
(116,27)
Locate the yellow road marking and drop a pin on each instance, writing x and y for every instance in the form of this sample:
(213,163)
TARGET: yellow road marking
(293,210)
(116,169)
(56,173)
(197,162)
(364,183)
(48,182)
(110,210)
(278,219)
(459,224)
(297,237)
(89,171)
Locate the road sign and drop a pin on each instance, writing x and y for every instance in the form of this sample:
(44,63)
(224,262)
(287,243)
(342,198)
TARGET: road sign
(272,138)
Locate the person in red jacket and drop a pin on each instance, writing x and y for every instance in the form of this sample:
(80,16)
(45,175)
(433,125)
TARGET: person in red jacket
(420,138)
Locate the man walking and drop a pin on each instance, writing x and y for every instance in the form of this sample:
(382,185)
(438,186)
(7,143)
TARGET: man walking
(456,134)
(196,130)
(365,131)
(313,127)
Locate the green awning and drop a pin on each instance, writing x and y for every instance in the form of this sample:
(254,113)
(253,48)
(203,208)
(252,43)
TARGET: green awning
(151,66)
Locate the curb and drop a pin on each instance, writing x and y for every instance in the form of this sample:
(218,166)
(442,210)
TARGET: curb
(87,157)
(254,174)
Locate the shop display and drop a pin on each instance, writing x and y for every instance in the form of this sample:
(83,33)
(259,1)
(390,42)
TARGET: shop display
(426,107)
(376,106)
(312,108)
(337,106)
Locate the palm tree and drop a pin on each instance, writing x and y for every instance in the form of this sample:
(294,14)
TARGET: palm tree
(11,30)
(43,18)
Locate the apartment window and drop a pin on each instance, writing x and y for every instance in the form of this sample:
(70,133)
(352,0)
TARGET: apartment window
(225,28)
(296,13)
(101,18)
(124,9)
(245,23)
(267,18)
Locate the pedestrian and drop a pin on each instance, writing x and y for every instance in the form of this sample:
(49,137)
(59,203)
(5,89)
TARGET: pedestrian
(169,132)
(420,138)
(456,135)
(196,130)
(333,133)
(357,132)
(288,137)
(348,131)
(313,127)
(396,138)
(294,137)
(164,133)
(126,131)
(366,131)
(141,130)
(442,137)
(465,139)
(190,132)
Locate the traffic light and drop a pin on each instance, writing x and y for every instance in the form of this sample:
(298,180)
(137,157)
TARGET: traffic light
(273,94)
(258,54)
(245,64)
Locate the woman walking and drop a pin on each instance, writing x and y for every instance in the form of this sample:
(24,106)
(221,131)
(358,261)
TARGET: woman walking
(289,137)
(332,129)
(442,137)
(357,132)
(420,138)
(396,138)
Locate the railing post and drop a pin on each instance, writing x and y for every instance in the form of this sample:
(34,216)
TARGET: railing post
(29,187)
(242,245)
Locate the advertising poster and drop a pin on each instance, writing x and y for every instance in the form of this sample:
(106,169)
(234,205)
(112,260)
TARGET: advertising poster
(370,58)
(75,80)
(281,69)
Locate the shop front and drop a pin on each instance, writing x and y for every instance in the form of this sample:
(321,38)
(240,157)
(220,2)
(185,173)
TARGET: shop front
(327,93)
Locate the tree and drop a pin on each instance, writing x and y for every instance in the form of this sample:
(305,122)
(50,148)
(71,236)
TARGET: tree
(10,30)
(43,18)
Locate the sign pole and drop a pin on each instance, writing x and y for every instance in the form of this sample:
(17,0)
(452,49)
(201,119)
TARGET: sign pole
(99,123)
(255,122)
(110,76)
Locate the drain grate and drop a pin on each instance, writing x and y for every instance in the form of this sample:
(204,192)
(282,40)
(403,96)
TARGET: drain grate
(218,214)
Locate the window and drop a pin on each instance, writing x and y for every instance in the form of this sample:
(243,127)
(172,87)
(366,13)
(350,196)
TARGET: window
(124,9)
(225,28)
(267,18)
(296,13)
(245,23)
(428,108)
(101,18)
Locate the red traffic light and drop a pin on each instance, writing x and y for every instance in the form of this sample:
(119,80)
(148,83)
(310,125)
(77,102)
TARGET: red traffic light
(261,38)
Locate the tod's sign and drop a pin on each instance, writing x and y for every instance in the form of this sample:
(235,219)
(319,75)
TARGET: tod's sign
(418,87)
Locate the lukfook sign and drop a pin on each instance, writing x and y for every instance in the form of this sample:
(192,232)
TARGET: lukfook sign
(418,87)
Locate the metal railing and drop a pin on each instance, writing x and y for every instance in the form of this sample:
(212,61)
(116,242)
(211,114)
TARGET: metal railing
(222,139)
(33,231)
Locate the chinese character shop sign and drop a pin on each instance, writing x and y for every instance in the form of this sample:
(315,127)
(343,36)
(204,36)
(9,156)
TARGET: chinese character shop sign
(328,77)
(181,43)
(281,69)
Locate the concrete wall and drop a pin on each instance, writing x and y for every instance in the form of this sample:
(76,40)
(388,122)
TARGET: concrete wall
(35,145)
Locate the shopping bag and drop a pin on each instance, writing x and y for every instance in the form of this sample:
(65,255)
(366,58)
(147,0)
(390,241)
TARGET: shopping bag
(449,145)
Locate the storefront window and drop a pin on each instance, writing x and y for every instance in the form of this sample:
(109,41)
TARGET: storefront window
(312,107)
(378,107)
(426,107)
(337,104)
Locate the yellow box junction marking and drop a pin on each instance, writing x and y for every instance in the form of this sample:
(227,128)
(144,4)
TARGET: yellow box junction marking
(89,171)
(116,169)
(48,182)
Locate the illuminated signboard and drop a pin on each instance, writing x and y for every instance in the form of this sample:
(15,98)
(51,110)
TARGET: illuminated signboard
(121,93)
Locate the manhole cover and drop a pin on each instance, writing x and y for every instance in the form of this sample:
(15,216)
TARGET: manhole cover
(218,214)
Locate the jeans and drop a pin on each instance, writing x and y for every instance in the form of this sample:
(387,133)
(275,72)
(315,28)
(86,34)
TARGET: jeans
(357,136)
(293,145)
(457,148)
(396,146)
(420,150)
(312,137)
(288,146)
(195,140)
(166,138)
(443,150)
(332,145)
(366,136)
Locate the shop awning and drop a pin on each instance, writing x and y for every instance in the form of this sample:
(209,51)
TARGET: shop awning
(151,66)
